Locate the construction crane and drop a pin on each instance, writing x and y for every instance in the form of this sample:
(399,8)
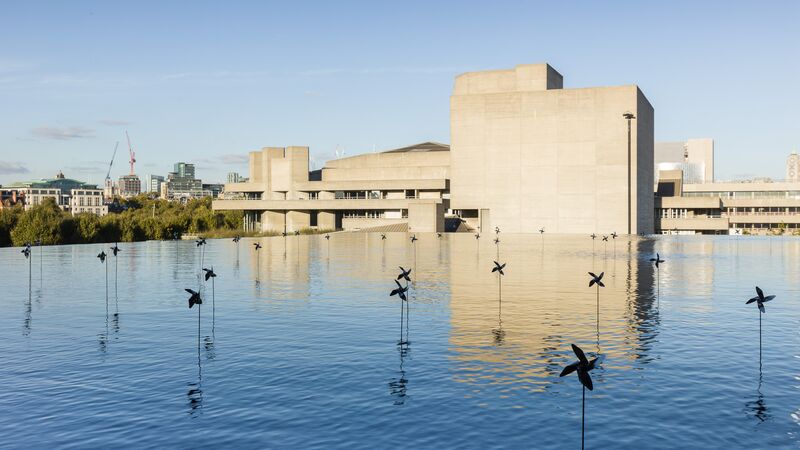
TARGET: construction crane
(132,153)
(108,174)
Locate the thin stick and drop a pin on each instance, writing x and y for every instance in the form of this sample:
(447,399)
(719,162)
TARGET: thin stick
(759,337)
(583,414)
(402,307)
(213,304)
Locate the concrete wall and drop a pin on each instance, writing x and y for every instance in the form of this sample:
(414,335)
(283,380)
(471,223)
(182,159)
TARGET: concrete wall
(326,220)
(274,221)
(553,158)
(389,166)
(425,217)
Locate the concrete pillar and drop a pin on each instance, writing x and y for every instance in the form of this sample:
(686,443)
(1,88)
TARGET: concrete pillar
(425,217)
(274,221)
(297,220)
(326,220)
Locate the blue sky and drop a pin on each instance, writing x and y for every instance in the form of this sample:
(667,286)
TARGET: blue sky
(206,82)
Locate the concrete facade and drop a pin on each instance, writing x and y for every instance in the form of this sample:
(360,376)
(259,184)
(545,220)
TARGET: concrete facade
(694,157)
(727,208)
(406,186)
(532,154)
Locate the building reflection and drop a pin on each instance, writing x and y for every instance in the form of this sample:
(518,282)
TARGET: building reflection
(547,305)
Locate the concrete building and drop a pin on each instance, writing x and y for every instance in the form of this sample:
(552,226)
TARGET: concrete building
(401,189)
(86,200)
(527,153)
(724,208)
(129,186)
(66,192)
(694,157)
(793,168)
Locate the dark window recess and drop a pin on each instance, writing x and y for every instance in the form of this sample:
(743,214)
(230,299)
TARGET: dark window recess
(666,189)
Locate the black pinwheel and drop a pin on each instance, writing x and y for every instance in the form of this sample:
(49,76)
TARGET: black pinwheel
(760,299)
(582,366)
(498,267)
(194,299)
(404,274)
(657,260)
(596,279)
(400,291)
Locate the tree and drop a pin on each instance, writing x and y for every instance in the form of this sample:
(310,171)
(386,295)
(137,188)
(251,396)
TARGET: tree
(42,221)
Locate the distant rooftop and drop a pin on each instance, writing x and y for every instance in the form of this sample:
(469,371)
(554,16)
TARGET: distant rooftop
(422,147)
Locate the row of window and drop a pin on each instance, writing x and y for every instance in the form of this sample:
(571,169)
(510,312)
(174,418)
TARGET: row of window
(745,194)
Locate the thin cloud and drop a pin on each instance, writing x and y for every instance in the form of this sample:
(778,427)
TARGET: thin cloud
(114,122)
(7,168)
(235,158)
(63,134)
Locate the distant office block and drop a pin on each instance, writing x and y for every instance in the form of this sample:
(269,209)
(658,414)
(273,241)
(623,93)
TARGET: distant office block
(694,157)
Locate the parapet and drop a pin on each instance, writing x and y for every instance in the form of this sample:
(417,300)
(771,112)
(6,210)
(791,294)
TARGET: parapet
(524,77)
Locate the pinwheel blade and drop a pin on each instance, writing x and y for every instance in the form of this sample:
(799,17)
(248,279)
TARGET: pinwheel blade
(768,298)
(579,353)
(760,293)
(754,299)
(569,369)
(761,307)
(586,379)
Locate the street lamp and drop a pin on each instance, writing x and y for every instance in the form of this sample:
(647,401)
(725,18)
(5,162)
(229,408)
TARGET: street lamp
(629,115)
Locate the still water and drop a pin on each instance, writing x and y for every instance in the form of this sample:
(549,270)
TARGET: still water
(301,351)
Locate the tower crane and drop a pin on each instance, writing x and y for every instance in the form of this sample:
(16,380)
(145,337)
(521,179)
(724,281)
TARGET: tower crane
(108,174)
(131,152)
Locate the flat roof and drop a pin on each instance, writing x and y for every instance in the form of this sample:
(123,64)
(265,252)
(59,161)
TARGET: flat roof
(422,147)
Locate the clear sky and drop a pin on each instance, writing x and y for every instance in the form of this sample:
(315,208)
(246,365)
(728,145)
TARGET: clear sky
(206,82)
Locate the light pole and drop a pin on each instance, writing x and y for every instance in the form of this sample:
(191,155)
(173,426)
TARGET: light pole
(628,115)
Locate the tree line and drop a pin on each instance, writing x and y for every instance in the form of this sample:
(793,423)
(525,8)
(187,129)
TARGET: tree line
(142,218)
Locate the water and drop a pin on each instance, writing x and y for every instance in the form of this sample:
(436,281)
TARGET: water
(307,357)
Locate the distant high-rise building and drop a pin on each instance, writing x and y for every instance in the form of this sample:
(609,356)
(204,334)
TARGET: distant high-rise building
(695,158)
(181,182)
(183,170)
(234,177)
(129,186)
(154,183)
(793,167)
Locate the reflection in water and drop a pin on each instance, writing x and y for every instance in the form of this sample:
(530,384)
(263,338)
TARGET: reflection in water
(208,345)
(758,408)
(26,323)
(544,304)
(398,386)
(194,394)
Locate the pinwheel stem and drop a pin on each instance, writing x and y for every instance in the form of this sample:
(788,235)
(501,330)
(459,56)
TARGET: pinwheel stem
(583,415)
(30,276)
(115,276)
(759,337)
(213,303)
(598,307)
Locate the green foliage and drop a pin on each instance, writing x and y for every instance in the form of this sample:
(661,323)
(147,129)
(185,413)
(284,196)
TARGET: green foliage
(42,221)
(8,220)
(144,219)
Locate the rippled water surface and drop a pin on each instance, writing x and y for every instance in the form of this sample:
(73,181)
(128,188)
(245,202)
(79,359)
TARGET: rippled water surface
(302,348)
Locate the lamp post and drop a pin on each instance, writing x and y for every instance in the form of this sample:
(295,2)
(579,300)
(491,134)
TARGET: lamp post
(628,115)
